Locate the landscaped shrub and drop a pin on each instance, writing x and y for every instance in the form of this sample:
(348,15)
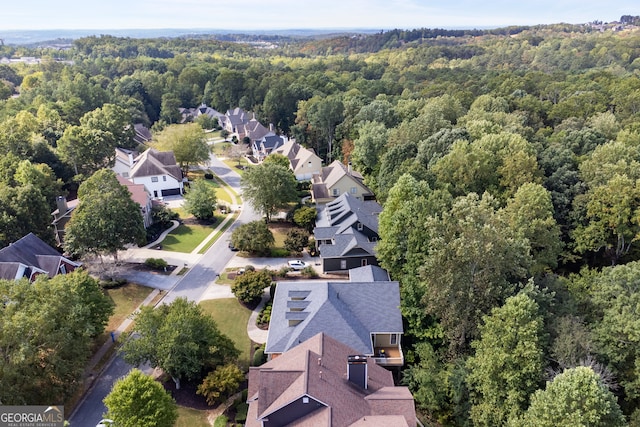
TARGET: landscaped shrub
(241,412)
(156,263)
(221,421)
(208,175)
(221,383)
(265,314)
(249,287)
(259,357)
(113,283)
(309,271)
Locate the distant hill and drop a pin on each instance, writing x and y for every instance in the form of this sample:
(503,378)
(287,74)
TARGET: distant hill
(36,37)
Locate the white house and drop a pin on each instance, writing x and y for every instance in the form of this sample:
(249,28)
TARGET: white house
(157,170)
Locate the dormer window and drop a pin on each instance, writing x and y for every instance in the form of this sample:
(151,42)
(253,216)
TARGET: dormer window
(154,179)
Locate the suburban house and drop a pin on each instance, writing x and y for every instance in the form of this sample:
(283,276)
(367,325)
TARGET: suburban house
(234,120)
(323,382)
(124,161)
(141,197)
(61,216)
(337,179)
(156,170)
(30,257)
(190,114)
(346,233)
(365,315)
(142,134)
(268,144)
(255,131)
(303,162)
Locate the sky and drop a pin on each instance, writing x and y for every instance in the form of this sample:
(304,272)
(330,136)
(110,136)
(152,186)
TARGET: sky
(253,15)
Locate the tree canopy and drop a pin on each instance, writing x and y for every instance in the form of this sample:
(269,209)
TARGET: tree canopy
(268,187)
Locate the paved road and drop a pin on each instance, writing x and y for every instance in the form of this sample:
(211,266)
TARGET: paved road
(192,286)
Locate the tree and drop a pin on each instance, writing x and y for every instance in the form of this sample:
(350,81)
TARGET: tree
(576,397)
(200,200)
(473,260)
(115,122)
(221,383)
(324,115)
(529,213)
(613,218)
(87,150)
(179,339)
(268,187)
(279,159)
(187,141)
(508,362)
(305,217)
(43,361)
(106,218)
(253,237)
(296,240)
(250,286)
(137,400)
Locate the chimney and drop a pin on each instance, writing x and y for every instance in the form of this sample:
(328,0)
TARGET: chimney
(61,202)
(130,155)
(357,370)
(271,128)
(349,168)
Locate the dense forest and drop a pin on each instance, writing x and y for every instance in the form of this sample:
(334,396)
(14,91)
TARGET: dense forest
(507,162)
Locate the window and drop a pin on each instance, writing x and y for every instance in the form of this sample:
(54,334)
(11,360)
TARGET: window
(154,179)
(359,226)
(374,239)
(364,262)
(354,190)
(164,177)
(336,192)
(393,340)
(343,264)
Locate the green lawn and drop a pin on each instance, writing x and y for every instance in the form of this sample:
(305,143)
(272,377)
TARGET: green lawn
(188,417)
(126,299)
(186,238)
(232,318)
(218,234)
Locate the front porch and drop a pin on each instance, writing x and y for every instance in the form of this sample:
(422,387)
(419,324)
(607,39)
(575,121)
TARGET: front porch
(388,356)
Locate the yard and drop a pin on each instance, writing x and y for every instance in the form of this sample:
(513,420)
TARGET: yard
(232,318)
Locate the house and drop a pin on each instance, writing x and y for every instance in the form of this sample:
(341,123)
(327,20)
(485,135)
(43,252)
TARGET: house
(190,114)
(142,134)
(61,216)
(323,382)
(364,315)
(303,162)
(30,257)
(337,179)
(141,197)
(255,131)
(346,233)
(159,173)
(124,161)
(234,120)
(267,145)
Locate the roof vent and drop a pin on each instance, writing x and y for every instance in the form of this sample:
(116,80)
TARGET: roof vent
(357,370)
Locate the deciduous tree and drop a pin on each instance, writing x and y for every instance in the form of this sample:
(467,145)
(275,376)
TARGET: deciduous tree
(221,383)
(268,187)
(106,218)
(179,339)
(137,400)
(254,237)
(187,141)
(200,200)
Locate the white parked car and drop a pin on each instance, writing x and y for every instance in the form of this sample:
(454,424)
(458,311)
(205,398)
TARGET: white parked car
(297,264)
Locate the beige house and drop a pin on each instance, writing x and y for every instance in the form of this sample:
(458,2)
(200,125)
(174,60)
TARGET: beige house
(337,179)
(303,162)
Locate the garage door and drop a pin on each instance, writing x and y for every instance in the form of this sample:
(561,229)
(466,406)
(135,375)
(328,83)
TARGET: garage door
(171,192)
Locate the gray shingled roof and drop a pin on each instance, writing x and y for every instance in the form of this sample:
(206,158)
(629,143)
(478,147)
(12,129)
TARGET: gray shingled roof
(32,252)
(348,311)
(369,273)
(153,162)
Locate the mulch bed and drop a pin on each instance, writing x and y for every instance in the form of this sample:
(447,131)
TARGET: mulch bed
(145,268)
(186,396)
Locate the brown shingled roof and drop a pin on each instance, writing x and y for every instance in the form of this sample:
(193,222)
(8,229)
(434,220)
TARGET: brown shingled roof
(317,370)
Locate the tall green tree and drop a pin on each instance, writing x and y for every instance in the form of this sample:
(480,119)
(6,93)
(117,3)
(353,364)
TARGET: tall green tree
(137,400)
(43,361)
(576,397)
(473,264)
(179,339)
(508,362)
(114,121)
(324,115)
(268,187)
(188,143)
(106,218)
(200,200)
(87,150)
